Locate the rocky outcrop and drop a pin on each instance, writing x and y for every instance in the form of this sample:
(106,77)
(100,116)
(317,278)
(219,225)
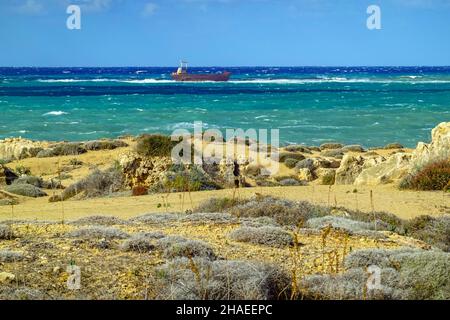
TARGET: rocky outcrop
(143,171)
(438,149)
(378,170)
(351,167)
(18,148)
(305,174)
(390,171)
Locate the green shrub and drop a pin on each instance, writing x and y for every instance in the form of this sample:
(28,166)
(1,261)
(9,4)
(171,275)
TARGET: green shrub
(329,179)
(4,161)
(26,190)
(155,145)
(183,179)
(433,176)
(22,170)
(290,162)
(265,235)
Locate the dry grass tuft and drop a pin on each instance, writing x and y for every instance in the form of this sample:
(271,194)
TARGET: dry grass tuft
(6,232)
(200,279)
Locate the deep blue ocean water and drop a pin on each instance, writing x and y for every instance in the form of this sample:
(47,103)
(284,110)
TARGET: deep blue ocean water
(369,106)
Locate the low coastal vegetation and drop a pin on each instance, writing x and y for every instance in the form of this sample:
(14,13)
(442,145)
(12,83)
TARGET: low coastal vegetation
(225,247)
(154,145)
(292,250)
(433,176)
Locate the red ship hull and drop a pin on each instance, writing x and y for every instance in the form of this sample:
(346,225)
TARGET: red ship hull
(220,77)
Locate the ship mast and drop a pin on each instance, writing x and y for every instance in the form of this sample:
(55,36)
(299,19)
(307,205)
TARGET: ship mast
(184,65)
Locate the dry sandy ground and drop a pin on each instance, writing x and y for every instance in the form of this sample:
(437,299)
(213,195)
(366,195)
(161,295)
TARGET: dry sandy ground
(406,204)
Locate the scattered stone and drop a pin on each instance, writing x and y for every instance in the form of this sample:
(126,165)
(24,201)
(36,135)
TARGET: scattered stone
(351,167)
(6,277)
(438,149)
(305,174)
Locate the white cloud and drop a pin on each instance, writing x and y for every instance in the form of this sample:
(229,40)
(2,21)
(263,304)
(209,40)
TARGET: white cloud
(149,9)
(31,7)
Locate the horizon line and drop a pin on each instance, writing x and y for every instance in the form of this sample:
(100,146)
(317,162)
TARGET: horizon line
(239,66)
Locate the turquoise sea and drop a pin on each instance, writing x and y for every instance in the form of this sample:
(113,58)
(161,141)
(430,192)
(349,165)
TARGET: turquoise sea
(366,105)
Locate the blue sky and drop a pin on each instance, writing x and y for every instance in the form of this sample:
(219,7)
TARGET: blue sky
(224,32)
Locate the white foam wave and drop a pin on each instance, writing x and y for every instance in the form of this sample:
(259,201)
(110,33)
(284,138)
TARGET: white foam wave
(55,113)
(145,81)
(73,80)
(402,80)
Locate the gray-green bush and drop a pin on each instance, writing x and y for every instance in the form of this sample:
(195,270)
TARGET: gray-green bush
(96,184)
(265,235)
(203,279)
(6,232)
(405,274)
(97,232)
(26,190)
(10,256)
(176,246)
(98,220)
